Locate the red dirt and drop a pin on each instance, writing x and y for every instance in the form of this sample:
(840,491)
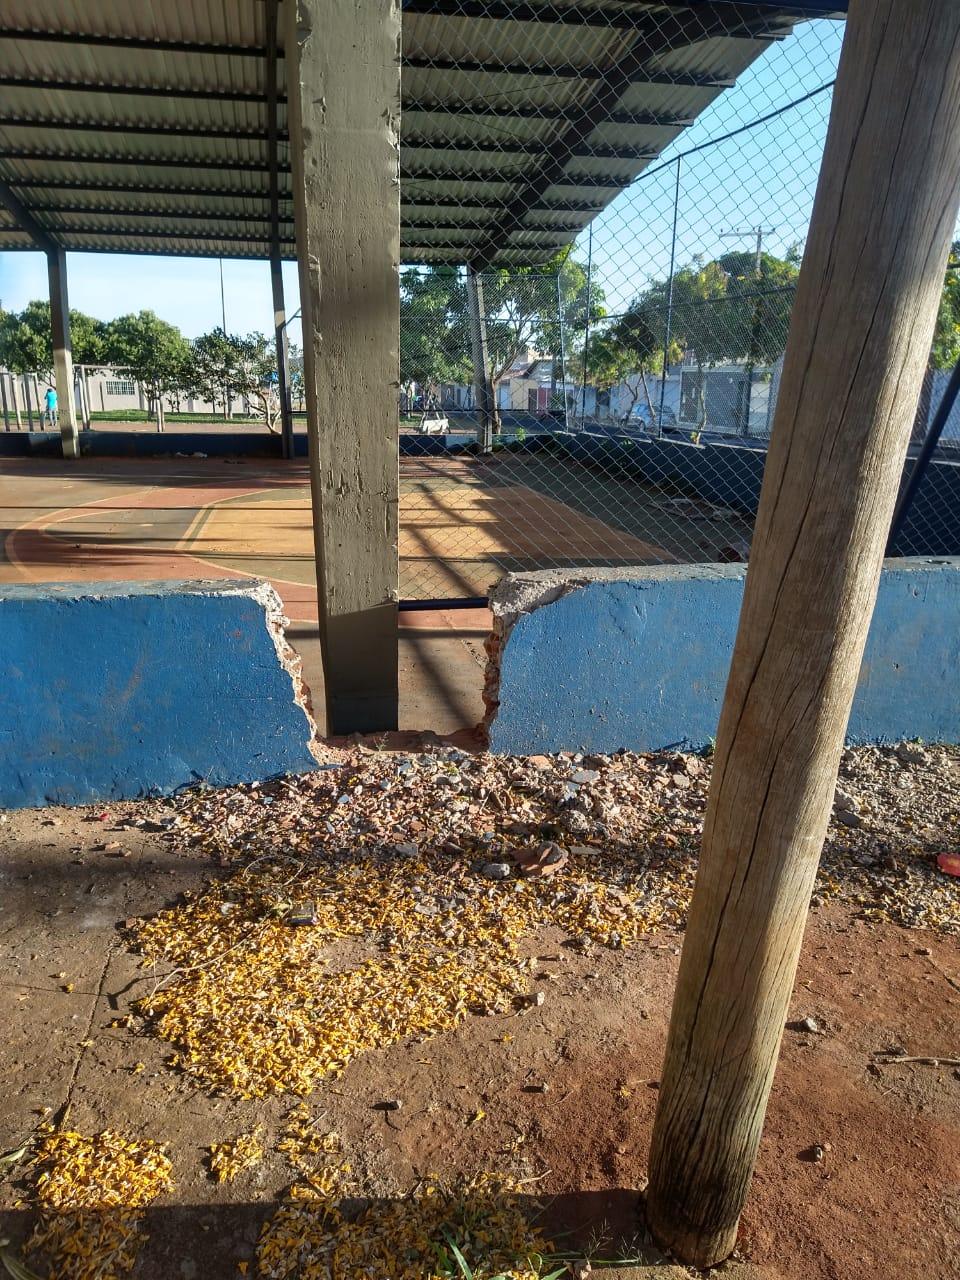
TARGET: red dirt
(884,1203)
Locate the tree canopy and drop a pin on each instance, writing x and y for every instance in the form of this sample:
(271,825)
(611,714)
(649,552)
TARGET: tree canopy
(26,341)
(946,338)
(524,308)
(228,365)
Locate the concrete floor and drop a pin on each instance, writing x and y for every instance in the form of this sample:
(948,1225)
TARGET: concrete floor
(141,519)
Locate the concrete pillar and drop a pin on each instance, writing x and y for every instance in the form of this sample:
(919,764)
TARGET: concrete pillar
(283,357)
(62,352)
(343,102)
(483,390)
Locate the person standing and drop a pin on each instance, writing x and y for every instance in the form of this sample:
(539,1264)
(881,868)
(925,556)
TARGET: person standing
(51,413)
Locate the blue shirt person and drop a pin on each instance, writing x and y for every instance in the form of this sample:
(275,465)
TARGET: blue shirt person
(50,409)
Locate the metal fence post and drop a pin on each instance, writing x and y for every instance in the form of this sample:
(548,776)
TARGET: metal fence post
(586,330)
(563,357)
(669,324)
(924,458)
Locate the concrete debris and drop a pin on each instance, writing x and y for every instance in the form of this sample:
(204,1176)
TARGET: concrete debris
(849,818)
(845,802)
(441,865)
(496,870)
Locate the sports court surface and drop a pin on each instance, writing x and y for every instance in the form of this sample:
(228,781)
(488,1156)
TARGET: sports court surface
(463,524)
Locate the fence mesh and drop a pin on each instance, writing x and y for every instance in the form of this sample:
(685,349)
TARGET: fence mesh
(604,205)
(634,371)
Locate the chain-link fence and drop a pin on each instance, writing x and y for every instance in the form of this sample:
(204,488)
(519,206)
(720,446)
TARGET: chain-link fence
(592,342)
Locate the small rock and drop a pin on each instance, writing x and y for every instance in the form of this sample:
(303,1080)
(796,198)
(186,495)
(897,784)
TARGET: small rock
(584,775)
(849,819)
(814,1154)
(845,802)
(911,753)
(540,762)
(496,870)
(546,860)
(390,1104)
(922,951)
(808,1024)
(537,999)
(408,850)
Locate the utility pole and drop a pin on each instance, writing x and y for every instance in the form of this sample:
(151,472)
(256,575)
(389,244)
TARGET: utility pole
(862,324)
(755,325)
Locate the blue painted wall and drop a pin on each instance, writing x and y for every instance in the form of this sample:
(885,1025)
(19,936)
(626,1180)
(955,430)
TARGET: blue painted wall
(640,661)
(117,691)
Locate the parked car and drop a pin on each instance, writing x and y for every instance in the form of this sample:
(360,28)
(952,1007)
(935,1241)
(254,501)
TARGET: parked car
(641,417)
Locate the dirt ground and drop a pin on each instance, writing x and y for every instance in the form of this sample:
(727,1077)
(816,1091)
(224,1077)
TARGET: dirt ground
(561,1095)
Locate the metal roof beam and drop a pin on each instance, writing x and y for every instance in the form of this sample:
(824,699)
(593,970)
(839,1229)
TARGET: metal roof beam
(426,174)
(653,119)
(146,162)
(185,92)
(472,224)
(25,220)
(584,207)
(733,13)
(560,71)
(158,130)
(126,211)
(796,8)
(652,40)
(139,233)
(472,145)
(142,189)
(140,43)
(414,142)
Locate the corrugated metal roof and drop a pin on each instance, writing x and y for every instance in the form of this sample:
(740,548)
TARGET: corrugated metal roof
(143,128)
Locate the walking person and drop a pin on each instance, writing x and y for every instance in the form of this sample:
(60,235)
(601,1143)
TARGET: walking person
(51,413)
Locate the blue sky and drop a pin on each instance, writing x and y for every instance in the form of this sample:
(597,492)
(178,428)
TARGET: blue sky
(185,291)
(767,176)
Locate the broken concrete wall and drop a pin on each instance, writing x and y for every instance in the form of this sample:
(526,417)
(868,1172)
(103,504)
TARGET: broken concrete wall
(638,659)
(112,691)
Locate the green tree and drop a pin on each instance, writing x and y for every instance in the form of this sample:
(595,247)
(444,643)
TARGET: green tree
(724,310)
(234,367)
(758,305)
(638,337)
(522,307)
(526,307)
(946,338)
(155,352)
(434,329)
(26,340)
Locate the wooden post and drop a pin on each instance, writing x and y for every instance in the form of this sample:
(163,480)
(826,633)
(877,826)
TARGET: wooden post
(861,329)
(343,99)
(62,352)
